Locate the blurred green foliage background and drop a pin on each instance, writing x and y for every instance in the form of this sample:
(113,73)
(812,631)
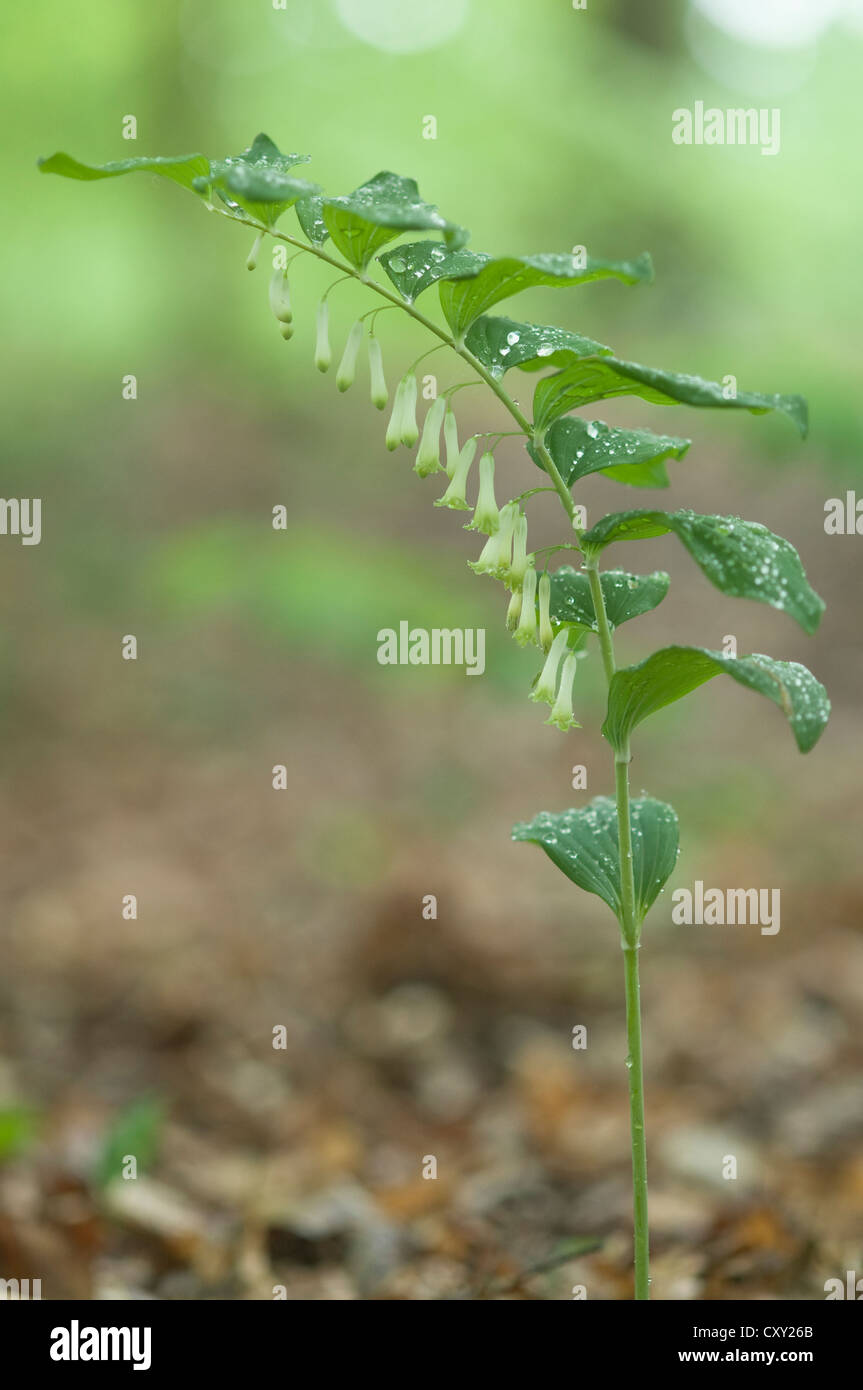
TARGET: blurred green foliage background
(553,129)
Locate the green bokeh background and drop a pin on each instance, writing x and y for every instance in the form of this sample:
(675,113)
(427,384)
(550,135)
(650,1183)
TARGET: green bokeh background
(553,129)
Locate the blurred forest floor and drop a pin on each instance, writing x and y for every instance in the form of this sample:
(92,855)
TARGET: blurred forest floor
(405,1039)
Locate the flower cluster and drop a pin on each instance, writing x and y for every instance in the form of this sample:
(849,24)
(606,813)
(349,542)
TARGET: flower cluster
(505,555)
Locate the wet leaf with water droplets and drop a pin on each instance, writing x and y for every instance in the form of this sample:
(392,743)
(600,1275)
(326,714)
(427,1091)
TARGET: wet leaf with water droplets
(584,845)
(742,558)
(310,215)
(637,457)
(598,378)
(362,222)
(419,264)
(464,301)
(500,343)
(257,181)
(626,596)
(183,169)
(669,674)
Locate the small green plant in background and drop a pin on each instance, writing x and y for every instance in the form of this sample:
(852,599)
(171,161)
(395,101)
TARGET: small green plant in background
(19,1127)
(134,1132)
(622,850)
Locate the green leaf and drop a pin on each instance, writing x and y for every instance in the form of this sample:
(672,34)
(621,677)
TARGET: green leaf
(500,343)
(597,379)
(584,845)
(626,596)
(637,457)
(262,193)
(742,558)
(262,154)
(463,301)
(638,691)
(182,168)
(258,181)
(310,215)
(419,264)
(136,1131)
(379,211)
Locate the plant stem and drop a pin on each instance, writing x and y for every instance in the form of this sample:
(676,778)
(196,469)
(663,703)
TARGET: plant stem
(636,1123)
(630,931)
(603,627)
(629,923)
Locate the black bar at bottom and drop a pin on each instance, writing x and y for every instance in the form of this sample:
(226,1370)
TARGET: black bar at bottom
(155,1338)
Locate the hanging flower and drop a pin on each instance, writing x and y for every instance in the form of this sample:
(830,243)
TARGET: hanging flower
(379,392)
(252,258)
(561,714)
(394,428)
(545,689)
(486,517)
(450,435)
(455,493)
(495,557)
(519,552)
(323,354)
(280,296)
(428,456)
(409,431)
(513,612)
(546,631)
(525,633)
(348,366)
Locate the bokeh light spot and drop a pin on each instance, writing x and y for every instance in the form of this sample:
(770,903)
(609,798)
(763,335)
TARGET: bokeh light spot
(403,26)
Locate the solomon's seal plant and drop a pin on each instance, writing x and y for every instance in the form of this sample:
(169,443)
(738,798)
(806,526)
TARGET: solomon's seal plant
(622,850)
